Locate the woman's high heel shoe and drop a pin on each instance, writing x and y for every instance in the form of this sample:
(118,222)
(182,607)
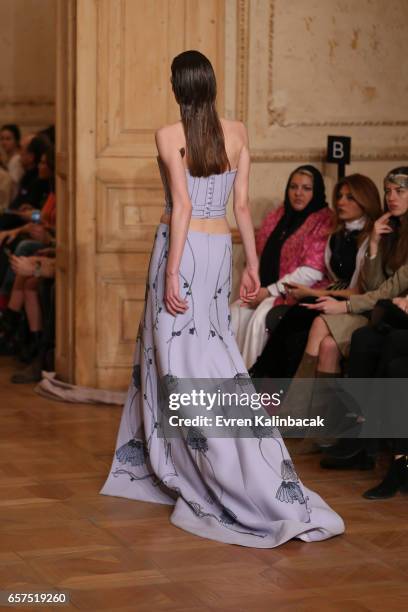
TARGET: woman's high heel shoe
(395,480)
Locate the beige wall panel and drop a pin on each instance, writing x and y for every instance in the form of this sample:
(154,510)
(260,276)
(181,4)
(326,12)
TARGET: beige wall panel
(313,68)
(27,62)
(120,292)
(127,214)
(120,304)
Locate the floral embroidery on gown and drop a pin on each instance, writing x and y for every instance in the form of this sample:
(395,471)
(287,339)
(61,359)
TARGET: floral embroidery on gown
(235,490)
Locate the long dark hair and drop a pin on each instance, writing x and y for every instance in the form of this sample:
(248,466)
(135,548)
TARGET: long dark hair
(394,246)
(365,194)
(195,89)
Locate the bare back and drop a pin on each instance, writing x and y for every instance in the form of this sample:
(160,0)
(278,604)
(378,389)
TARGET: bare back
(237,152)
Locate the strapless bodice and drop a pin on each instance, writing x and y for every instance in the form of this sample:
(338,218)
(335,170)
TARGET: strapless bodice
(208,194)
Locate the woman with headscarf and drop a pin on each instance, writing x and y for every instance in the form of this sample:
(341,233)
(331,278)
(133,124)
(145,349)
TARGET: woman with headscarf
(291,245)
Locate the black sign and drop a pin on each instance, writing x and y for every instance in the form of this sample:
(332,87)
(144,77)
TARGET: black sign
(338,149)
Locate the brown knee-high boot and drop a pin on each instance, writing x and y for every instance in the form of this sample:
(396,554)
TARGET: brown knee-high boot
(297,401)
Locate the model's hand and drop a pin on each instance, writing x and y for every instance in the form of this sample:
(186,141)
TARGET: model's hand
(262,294)
(172,300)
(250,285)
(298,292)
(401,302)
(328,305)
(380,227)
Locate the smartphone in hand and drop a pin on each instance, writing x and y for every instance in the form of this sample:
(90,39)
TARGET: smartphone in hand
(36,216)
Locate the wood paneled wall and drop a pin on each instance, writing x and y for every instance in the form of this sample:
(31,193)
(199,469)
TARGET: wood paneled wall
(123,55)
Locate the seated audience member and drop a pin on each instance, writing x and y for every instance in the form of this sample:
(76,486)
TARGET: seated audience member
(39,304)
(38,234)
(24,297)
(387,252)
(291,242)
(10,143)
(381,350)
(330,335)
(357,205)
(33,188)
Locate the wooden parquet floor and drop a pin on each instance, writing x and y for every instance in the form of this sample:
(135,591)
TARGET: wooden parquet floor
(116,555)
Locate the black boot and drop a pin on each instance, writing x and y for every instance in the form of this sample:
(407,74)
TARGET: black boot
(30,374)
(395,480)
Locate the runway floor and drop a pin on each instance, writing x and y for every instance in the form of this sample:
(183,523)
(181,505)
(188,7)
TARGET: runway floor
(123,556)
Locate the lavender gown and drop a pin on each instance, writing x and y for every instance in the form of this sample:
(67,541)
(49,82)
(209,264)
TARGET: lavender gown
(239,491)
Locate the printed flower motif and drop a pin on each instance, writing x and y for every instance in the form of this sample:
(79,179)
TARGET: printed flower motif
(228,517)
(290,492)
(262,431)
(133,452)
(136,376)
(196,508)
(197,440)
(169,383)
(288,471)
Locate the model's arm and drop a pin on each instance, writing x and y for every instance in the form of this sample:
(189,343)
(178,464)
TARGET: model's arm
(250,278)
(180,218)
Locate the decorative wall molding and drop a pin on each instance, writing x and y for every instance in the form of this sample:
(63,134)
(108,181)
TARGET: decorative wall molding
(319,155)
(26,101)
(127,214)
(275,115)
(114,293)
(243,26)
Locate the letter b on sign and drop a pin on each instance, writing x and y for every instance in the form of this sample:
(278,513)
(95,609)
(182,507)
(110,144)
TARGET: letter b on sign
(338,149)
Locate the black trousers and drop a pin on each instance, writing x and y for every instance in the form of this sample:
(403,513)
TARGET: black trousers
(286,344)
(374,354)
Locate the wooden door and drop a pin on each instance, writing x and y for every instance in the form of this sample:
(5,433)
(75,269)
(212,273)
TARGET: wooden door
(124,49)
